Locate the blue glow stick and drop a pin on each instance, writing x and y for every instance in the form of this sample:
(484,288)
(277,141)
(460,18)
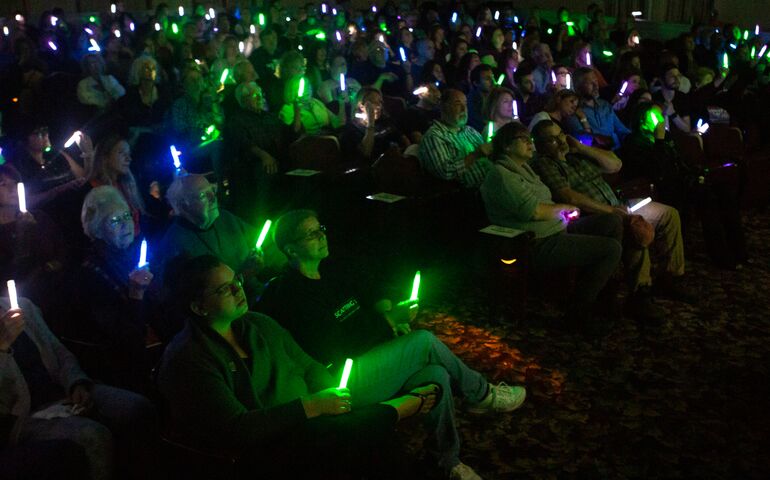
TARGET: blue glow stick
(403,53)
(142,255)
(175,154)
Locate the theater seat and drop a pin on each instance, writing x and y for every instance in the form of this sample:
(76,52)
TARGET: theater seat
(314,153)
(395,107)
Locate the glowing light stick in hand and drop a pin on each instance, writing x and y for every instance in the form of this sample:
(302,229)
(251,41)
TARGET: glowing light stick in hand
(342,82)
(569,82)
(261,19)
(702,126)
(420,91)
(588,59)
(22,197)
(346,373)
(490,131)
(500,79)
(553,77)
(725,61)
(224,75)
(478,32)
(415,287)
(263,233)
(640,205)
(181,11)
(515,106)
(113,8)
(403,53)
(338,35)
(623,88)
(12,296)
(301,88)
(52,45)
(454,17)
(142,255)
(175,154)
(762,51)
(94,46)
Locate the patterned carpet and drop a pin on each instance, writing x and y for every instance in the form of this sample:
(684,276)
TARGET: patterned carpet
(687,400)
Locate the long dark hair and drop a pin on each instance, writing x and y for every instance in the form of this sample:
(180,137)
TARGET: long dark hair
(185,280)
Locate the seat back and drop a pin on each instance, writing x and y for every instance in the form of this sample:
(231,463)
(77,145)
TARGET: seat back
(723,144)
(398,174)
(314,153)
(395,108)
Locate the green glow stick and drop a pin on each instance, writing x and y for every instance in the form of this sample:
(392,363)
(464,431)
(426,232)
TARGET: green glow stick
(415,286)
(224,75)
(753,52)
(174,28)
(607,53)
(500,79)
(745,34)
(263,233)
(654,119)
(346,373)
(725,61)
(490,131)
(320,36)
(210,129)
(301,89)
(261,19)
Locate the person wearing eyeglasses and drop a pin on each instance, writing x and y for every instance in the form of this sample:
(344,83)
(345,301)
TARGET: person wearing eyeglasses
(114,307)
(237,382)
(333,316)
(200,227)
(514,196)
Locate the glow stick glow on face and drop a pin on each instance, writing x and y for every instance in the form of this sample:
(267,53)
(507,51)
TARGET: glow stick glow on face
(175,154)
(338,35)
(415,286)
(342,82)
(12,296)
(515,106)
(94,46)
(569,81)
(490,131)
(346,373)
(142,254)
(263,233)
(478,32)
(301,89)
(500,79)
(224,75)
(403,53)
(640,205)
(52,45)
(22,197)
(74,138)
(420,91)
(181,11)
(623,88)
(261,19)
(454,17)
(762,51)
(588,59)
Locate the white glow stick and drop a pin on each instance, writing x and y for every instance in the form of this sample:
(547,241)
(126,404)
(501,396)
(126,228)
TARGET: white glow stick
(342,82)
(175,154)
(212,13)
(6,31)
(52,45)
(756,30)
(323,8)
(346,373)
(89,31)
(762,52)
(252,29)
(334,12)
(478,32)
(636,13)
(116,32)
(131,26)
(181,11)
(113,8)
(142,255)
(94,46)
(22,197)
(497,14)
(640,205)
(241,47)
(420,91)
(338,35)
(374,8)
(360,115)
(553,77)
(74,138)
(623,88)
(403,53)
(702,127)
(515,46)
(515,106)
(569,82)
(53,21)
(588,58)
(635,39)
(515,19)
(157,27)
(12,296)
(454,17)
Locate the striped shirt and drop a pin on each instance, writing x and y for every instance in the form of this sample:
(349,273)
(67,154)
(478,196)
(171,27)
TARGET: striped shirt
(579,173)
(442,153)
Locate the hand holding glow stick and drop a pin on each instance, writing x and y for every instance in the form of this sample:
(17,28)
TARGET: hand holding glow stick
(623,88)
(12,296)
(515,106)
(142,255)
(420,91)
(75,138)
(22,197)
(415,287)
(569,82)
(640,205)
(263,234)
(570,215)
(346,373)
(342,82)
(301,88)
(402,52)
(175,154)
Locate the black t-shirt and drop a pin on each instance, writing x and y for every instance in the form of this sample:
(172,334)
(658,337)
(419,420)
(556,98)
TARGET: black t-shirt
(385,134)
(328,318)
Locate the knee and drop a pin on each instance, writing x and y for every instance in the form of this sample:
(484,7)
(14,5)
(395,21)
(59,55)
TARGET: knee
(92,436)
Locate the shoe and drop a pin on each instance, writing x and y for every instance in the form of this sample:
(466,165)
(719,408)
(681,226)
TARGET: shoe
(462,471)
(501,398)
(641,307)
(672,287)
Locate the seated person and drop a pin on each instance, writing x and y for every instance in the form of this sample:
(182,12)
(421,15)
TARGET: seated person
(97,89)
(515,197)
(573,173)
(370,132)
(482,81)
(562,106)
(599,115)
(305,113)
(201,228)
(676,104)
(236,382)
(331,88)
(451,149)
(147,98)
(391,79)
(648,153)
(255,140)
(530,102)
(115,306)
(420,117)
(331,318)
(46,396)
(498,109)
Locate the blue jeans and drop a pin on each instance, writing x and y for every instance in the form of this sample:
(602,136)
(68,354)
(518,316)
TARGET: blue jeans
(404,363)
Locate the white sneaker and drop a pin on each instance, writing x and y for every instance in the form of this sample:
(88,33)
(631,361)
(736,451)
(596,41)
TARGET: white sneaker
(462,471)
(501,398)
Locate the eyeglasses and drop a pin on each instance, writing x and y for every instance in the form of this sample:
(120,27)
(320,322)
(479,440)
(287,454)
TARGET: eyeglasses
(118,220)
(314,234)
(209,194)
(232,287)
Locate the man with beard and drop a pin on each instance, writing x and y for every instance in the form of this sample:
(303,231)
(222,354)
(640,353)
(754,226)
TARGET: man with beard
(598,112)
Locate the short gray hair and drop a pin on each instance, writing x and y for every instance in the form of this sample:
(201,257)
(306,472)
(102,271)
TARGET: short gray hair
(95,209)
(178,191)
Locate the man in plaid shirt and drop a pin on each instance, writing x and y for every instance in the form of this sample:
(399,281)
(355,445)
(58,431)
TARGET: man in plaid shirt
(450,149)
